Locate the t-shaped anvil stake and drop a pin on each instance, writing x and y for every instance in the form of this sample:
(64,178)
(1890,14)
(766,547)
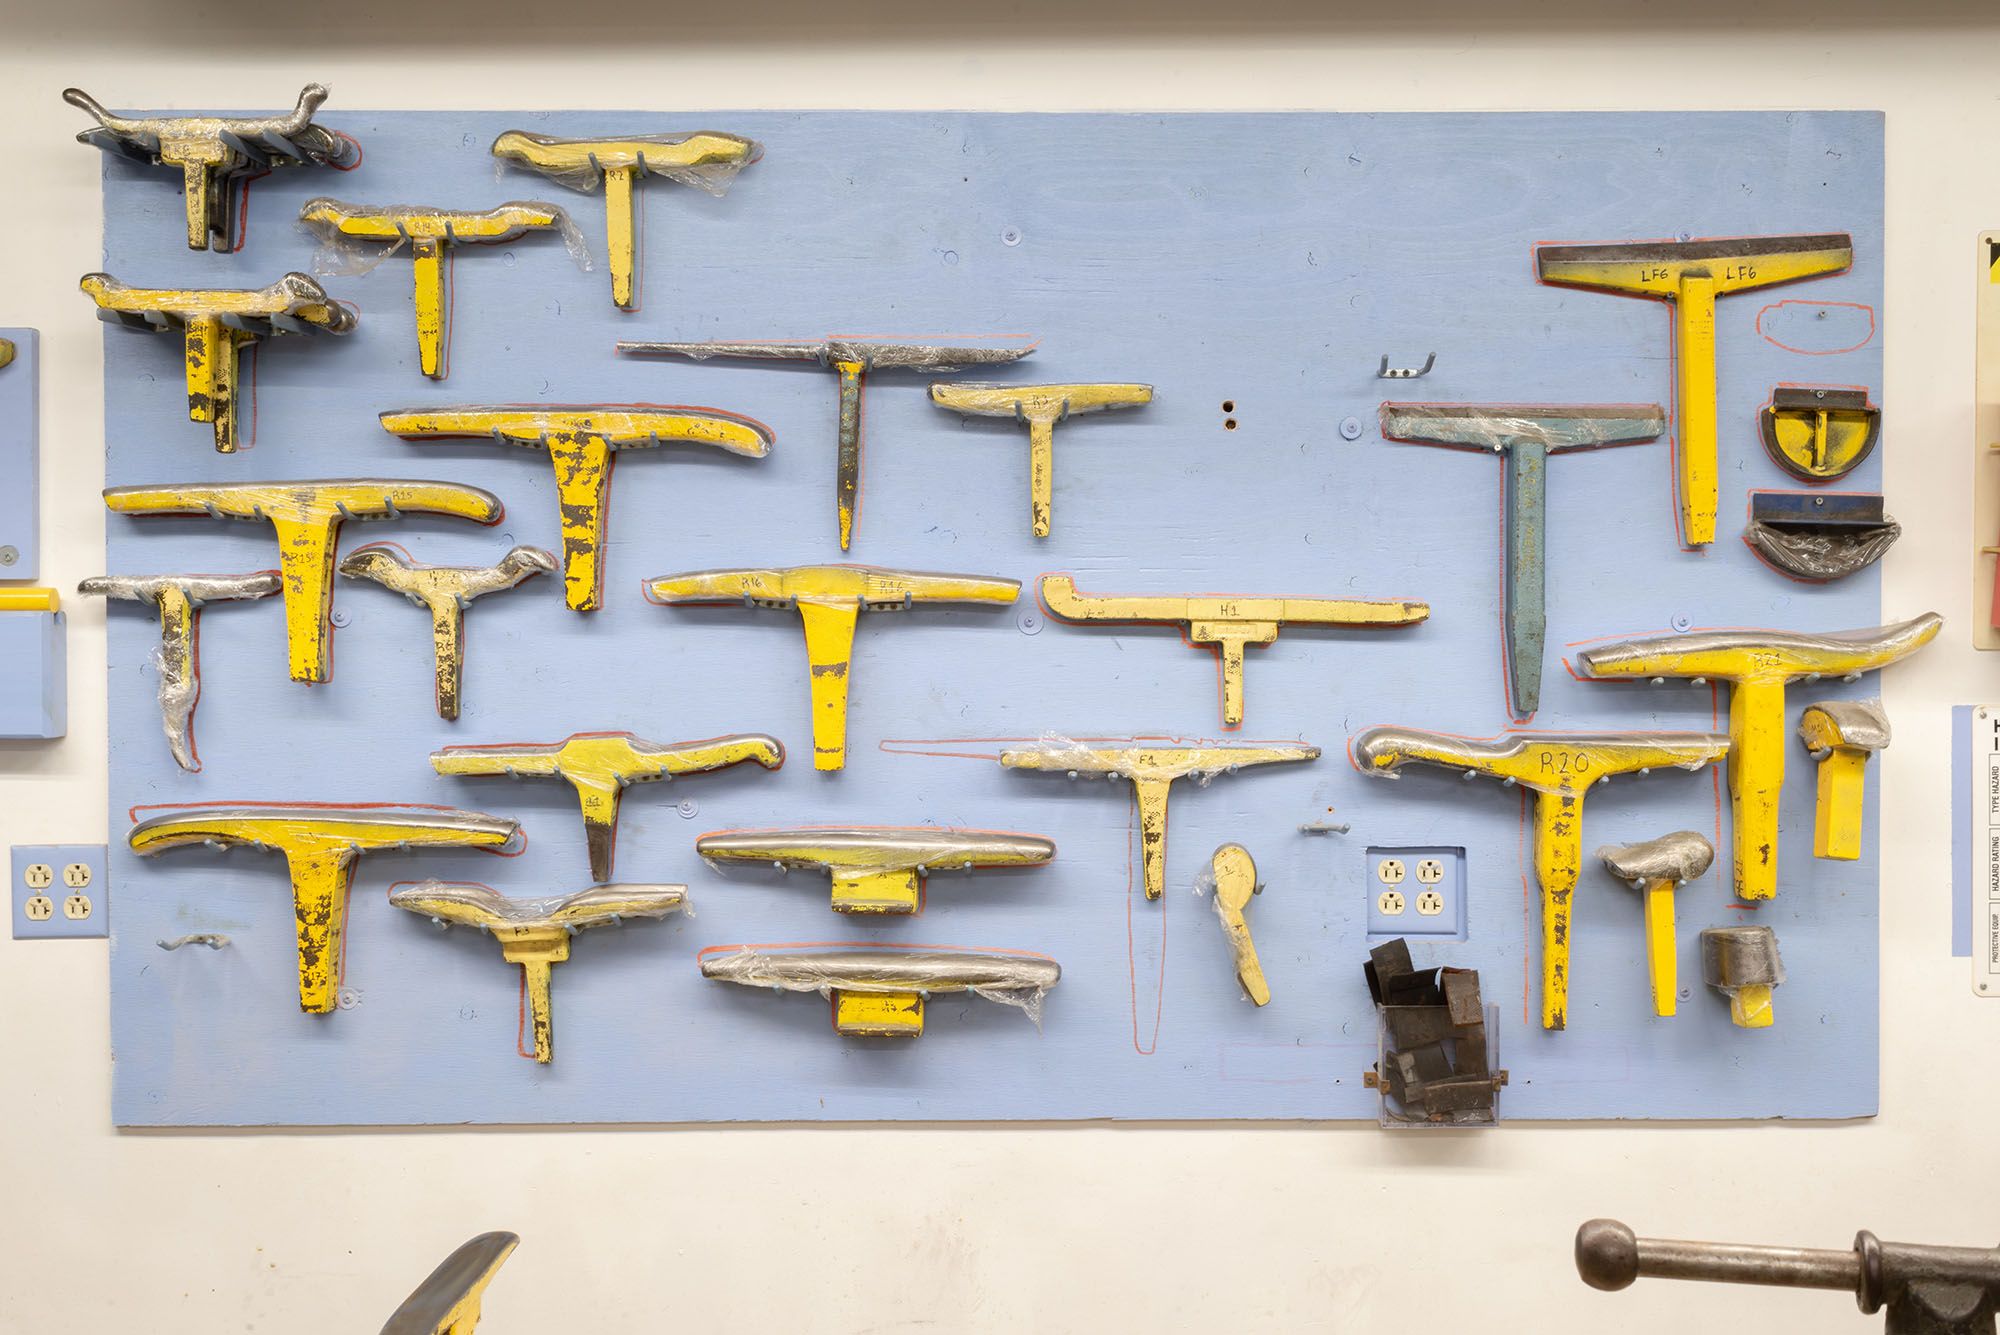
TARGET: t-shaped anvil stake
(1041,407)
(852,359)
(320,844)
(877,870)
(1691,275)
(829,600)
(307,518)
(583,444)
(1525,435)
(1656,869)
(1559,769)
(881,993)
(216,323)
(1228,623)
(1758,665)
(599,765)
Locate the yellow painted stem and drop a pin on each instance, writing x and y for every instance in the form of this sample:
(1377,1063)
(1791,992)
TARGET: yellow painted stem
(305,561)
(1558,859)
(619,220)
(194,190)
(1837,819)
(541,1022)
(1232,680)
(1244,952)
(847,455)
(1694,331)
(1750,1007)
(1041,471)
(448,640)
(877,892)
(1661,964)
(599,799)
(212,377)
(583,473)
(829,658)
(1756,777)
(1151,796)
(879,1014)
(320,879)
(428,254)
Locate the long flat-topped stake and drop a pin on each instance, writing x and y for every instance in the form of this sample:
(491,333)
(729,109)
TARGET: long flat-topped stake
(881,993)
(877,870)
(1041,407)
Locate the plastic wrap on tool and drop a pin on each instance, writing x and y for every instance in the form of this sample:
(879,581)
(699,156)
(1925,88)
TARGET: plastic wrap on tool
(579,164)
(1016,979)
(1555,428)
(1145,758)
(355,238)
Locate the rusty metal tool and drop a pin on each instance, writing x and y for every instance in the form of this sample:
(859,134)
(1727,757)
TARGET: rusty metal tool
(1758,665)
(599,765)
(447,1302)
(1841,735)
(1434,1064)
(1819,535)
(1524,435)
(583,443)
(881,993)
(829,600)
(1559,768)
(445,592)
(1229,623)
(431,232)
(879,870)
(178,600)
(1742,963)
(1819,434)
(1151,770)
(213,152)
(851,359)
(535,933)
(216,323)
(306,515)
(321,844)
(1235,876)
(1041,407)
(705,159)
(1655,869)
(1691,275)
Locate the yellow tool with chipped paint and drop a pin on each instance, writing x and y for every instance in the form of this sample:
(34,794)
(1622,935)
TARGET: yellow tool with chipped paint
(1758,665)
(1041,407)
(1816,433)
(1559,769)
(1841,735)
(599,765)
(880,870)
(216,324)
(881,993)
(306,516)
(321,844)
(1742,963)
(535,933)
(447,1302)
(829,600)
(430,231)
(701,158)
(1228,623)
(583,443)
(1656,869)
(1235,881)
(1691,275)
(1151,770)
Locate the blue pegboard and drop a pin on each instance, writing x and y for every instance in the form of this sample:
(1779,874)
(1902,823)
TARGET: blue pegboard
(34,675)
(20,457)
(1264,260)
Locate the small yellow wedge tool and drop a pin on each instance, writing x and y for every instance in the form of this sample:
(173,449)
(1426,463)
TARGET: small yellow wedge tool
(307,517)
(1656,869)
(1559,768)
(535,933)
(430,231)
(1230,624)
(321,844)
(216,323)
(882,869)
(829,600)
(599,765)
(707,160)
(583,444)
(1841,735)
(1235,881)
(445,592)
(1041,407)
(447,1302)
(214,152)
(1691,275)
(1758,665)
(881,993)
(1742,963)
(1151,770)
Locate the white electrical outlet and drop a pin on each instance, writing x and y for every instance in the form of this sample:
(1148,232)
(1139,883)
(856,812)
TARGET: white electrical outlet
(59,890)
(1389,871)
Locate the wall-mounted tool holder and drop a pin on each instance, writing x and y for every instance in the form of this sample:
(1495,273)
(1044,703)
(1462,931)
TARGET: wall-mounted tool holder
(20,454)
(34,664)
(1437,1056)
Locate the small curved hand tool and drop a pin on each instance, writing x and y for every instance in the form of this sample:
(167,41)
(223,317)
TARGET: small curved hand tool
(1525,435)
(321,844)
(535,933)
(307,517)
(1691,275)
(430,231)
(447,1302)
(1228,623)
(1742,963)
(1656,869)
(1041,407)
(445,592)
(599,765)
(178,600)
(1819,535)
(213,151)
(1559,768)
(1819,434)
(1235,881)
(698,159)
(1841,735)
(852,359)
(881,993)
(216,323)
(1151,770)
(583,443)
(829,600)
(881,870)
(1758,665)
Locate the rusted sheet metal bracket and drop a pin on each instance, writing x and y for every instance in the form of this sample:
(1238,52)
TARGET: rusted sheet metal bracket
(1434,1067)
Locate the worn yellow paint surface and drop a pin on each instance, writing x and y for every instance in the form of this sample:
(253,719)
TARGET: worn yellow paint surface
(1235,882)
(878,1014)
(879,869)
(1041,407)
(30,600)
(1842,785)
(1662,951)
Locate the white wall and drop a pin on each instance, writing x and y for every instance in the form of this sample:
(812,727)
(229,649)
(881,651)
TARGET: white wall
(1102,1228)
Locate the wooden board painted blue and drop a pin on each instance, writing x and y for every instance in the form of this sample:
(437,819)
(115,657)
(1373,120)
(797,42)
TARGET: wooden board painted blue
(1263,261)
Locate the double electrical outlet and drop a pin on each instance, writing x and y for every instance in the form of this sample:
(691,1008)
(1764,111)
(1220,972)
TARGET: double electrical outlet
(59,890)
(1416,892)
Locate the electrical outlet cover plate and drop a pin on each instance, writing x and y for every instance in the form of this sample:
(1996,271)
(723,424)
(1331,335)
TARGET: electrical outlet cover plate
(1427,900)
(59,890)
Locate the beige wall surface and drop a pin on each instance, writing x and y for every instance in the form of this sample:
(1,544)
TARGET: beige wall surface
(1097,1228)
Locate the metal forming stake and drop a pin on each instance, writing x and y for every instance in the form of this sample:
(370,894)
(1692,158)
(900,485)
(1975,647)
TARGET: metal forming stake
(1818,434)
(1656,869)
(1742,963)
(1235,881)
(881,993)
(880,870)
(447,1302)
(1524,435)
(1841,735)
(1041,407)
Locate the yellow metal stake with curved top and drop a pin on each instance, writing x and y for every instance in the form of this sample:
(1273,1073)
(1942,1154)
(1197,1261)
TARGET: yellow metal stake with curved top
(880,869)
(1041,407)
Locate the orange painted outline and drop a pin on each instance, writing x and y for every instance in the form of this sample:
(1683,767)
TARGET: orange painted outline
(1820,352)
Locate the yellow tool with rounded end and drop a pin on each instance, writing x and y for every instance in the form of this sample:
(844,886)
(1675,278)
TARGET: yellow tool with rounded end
(447,1302)
(1742,963)
(1041,407)
(36,599)
(321,844)
(1841,735)
(1656,869)
(881,869)
(881,993)
(1235,881)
